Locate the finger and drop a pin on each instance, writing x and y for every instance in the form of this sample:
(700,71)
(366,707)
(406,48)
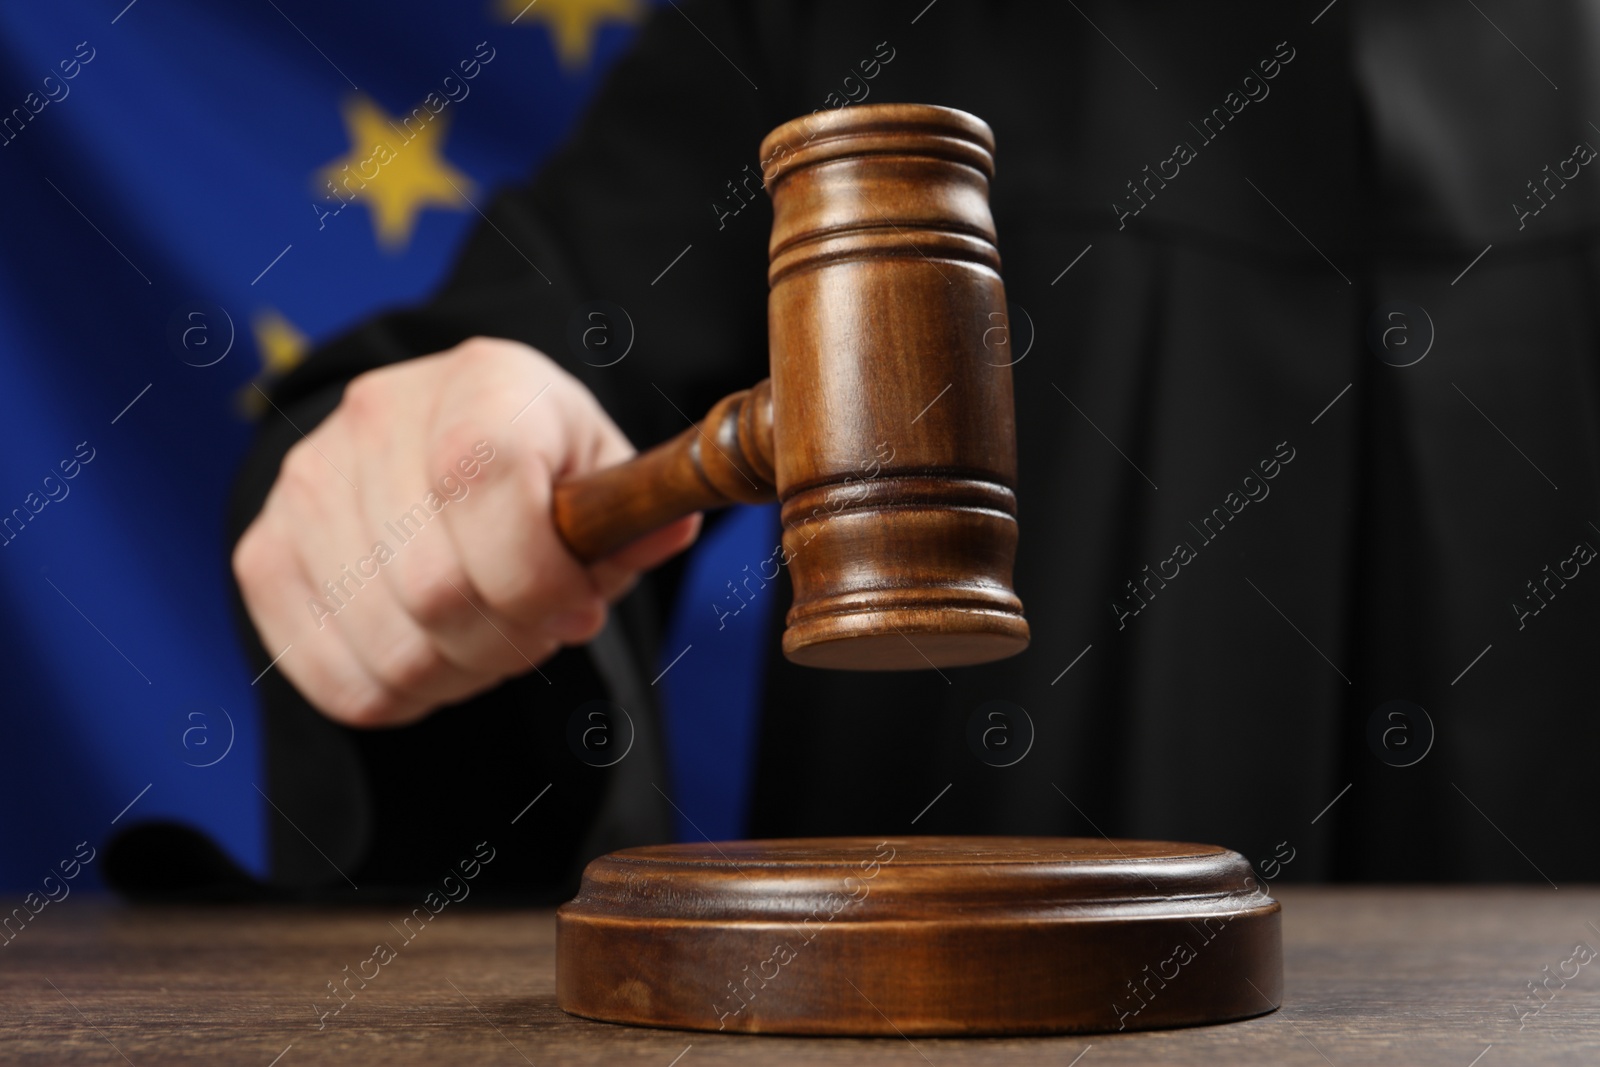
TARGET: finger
(312,655)
(389,644)
(618,572)
(428,575)
(339,557)
(506,540)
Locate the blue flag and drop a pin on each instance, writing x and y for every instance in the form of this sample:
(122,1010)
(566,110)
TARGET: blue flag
(195,195)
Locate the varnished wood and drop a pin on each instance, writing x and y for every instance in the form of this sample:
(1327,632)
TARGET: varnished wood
(1402,976)
(888,432)
(919,936)
(725,459)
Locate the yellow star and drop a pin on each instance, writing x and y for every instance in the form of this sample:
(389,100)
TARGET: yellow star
(282,346)
(282,349)
(395,166)
(572,24)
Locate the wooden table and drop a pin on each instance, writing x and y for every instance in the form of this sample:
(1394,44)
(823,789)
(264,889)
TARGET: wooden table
(1411,977)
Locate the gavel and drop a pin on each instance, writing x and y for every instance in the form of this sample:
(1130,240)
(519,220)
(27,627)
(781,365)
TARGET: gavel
(887,427)
(887,432)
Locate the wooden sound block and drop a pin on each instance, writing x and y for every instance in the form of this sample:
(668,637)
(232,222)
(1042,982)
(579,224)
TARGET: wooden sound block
(919,935)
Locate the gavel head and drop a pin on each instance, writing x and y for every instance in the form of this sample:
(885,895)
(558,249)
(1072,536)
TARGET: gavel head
(893,432)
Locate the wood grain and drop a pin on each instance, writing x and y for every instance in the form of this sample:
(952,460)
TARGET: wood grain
(913,936)
(725,459)
(887,429)
(1414,977)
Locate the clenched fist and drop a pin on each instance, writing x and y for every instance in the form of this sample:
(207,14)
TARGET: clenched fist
(406,556)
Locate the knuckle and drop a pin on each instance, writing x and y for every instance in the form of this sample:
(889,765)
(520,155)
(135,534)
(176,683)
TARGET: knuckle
(459,454)
(261,563)
(407,663)
(483,352)
(433,595)
(363,703)
(247,560)
(301,471)
(516,590)
(536,592)
(365,397)
(589,622)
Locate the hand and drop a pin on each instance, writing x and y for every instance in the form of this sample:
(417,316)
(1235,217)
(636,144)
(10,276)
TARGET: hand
(406,555)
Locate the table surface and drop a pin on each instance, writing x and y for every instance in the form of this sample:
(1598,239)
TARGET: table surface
(1408,976)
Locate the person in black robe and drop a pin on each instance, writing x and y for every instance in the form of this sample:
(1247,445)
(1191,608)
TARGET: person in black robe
(1356,250)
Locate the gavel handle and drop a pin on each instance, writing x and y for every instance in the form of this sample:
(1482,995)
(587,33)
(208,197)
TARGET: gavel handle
(725,459)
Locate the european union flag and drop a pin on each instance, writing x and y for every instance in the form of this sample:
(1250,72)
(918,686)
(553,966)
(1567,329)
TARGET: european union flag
(195,194)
